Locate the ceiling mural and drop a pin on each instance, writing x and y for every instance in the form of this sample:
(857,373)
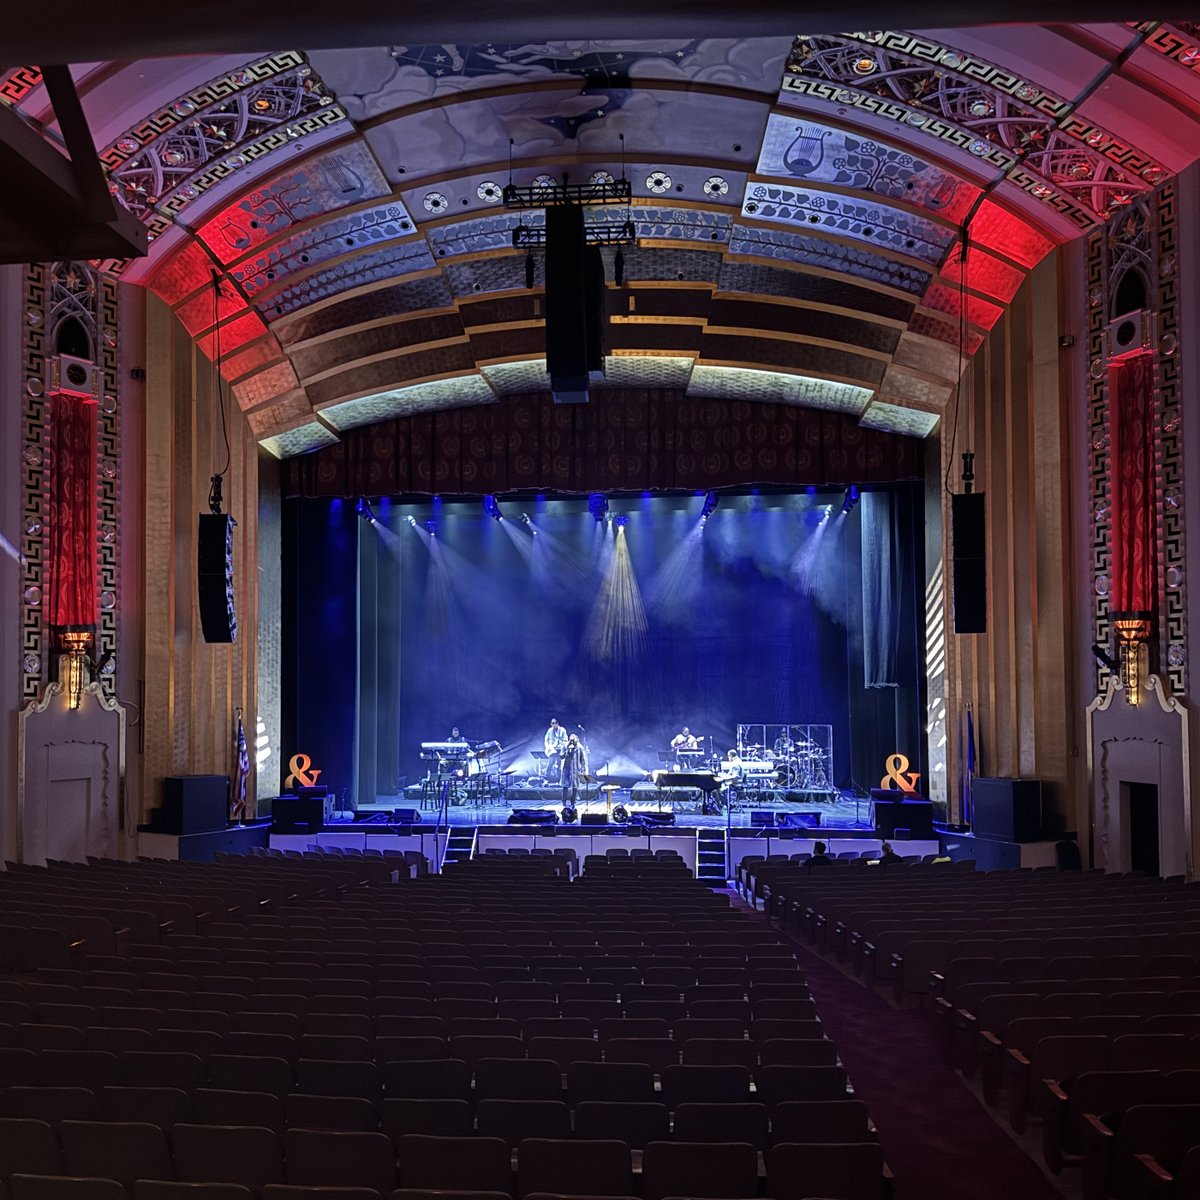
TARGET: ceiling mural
(797,206)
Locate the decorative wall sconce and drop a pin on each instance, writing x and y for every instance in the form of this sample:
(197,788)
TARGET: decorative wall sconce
(1133,630)
(75,641)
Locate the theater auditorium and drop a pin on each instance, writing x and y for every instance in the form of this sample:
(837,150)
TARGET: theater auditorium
(596,602)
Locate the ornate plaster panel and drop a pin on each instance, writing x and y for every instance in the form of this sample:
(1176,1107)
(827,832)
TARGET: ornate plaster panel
(387,262)
(336,180)
(797,147)
(459,392)
(894,419)
(301,440)
(342,234)
(893,229)
(741,383)
(787,246)
(509,379)
(649,371)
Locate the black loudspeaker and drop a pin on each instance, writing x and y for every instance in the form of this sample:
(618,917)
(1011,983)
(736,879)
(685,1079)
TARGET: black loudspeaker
(192,804)
(968,538)
(914,815)
(214,577)
(593,819)
(575,312)
(1007,810)
(406,816)
(298,814)
(764,817)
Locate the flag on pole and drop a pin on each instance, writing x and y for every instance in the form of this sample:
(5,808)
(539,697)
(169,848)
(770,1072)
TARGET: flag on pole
(969,772)
(241,773)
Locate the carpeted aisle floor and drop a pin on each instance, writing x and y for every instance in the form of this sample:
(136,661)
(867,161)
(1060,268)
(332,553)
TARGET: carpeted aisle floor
(937,1140)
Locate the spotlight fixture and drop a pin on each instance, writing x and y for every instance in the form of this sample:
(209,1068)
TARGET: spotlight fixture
(850,500)
(621,521)
(570,814)
(711,500)
(598,506)
(412,521)
(492,508)
(363,508)
(431,527)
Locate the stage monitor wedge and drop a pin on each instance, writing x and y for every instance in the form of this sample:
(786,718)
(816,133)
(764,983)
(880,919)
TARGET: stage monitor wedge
(576,321)
(968,541)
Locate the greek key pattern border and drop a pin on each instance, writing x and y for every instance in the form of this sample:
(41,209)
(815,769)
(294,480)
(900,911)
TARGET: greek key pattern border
(17,85)
(1173,581)
(34,437)
(1171,43)
(186,107)
(108,501)
(35,640)
(1098,439)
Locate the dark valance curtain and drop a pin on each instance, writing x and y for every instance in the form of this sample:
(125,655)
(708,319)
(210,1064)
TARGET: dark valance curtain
(881,589)
(1133,585)
(623,440)
(71,512)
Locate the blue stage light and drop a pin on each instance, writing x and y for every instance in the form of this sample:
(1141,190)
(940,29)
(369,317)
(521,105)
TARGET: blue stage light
(598,506)
(363,508)
(492,508)
(711,500)
(850,501)
(621,521)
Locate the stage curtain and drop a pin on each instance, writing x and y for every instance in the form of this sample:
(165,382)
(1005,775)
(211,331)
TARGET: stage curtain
(623,440)
(1132,586)
(881,584)
(71,512)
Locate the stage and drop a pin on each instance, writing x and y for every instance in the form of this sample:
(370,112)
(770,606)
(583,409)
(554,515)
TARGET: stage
(840,811)
(690,654)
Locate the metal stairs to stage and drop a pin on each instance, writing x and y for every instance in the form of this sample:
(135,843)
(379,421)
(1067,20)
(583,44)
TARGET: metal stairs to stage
(711,856)
(460,845)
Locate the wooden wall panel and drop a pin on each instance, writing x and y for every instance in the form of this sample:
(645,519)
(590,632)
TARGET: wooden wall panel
(193,689)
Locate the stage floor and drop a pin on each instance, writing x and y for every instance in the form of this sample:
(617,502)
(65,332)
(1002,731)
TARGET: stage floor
(841,811)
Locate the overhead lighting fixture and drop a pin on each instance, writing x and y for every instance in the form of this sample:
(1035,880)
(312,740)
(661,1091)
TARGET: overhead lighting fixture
(621,521)
(711,500)
(363,508)
(598,506)
(850,500)
(492,508)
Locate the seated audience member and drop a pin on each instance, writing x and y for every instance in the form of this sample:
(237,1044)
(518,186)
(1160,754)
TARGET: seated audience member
(888,855)
(820,856)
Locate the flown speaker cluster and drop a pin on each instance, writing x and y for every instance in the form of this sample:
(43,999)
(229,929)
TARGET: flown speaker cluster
(576,316)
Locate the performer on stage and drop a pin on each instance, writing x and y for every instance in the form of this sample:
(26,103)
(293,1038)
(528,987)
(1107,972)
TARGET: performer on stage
(574,769)
(784,745)
(456,736)
(683,742)
(555,744)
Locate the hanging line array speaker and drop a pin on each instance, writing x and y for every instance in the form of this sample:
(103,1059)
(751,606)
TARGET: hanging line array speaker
(214,577)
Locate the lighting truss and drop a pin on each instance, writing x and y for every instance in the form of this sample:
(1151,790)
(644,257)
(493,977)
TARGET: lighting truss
(529,237)
(607,191)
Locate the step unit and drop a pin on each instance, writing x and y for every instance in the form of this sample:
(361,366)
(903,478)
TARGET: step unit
(712,856)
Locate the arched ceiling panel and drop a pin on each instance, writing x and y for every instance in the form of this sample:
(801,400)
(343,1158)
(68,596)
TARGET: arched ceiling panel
(798,205)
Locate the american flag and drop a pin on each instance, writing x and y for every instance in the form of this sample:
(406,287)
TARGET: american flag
(237,796)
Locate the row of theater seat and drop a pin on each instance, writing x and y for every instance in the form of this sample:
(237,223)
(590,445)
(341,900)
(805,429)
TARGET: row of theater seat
(486,1003)
(257,1158)
(1073,998)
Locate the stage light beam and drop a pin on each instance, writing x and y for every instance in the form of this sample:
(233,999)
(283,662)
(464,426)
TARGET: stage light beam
(616,629)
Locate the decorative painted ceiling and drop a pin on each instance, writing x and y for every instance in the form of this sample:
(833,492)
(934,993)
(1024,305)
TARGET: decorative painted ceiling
(799,205)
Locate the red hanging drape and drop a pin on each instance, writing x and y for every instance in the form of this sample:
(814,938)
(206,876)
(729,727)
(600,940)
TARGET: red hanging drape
(71,512)
(1132,585)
